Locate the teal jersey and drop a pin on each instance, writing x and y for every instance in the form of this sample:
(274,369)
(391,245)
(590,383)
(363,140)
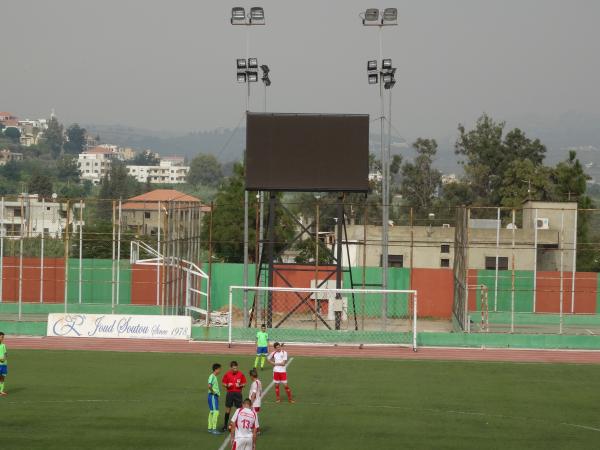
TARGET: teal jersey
(214,383)
(262,339)
(3,355)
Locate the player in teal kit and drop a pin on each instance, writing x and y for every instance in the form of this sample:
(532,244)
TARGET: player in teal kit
(3,364)
(213,399)
(262,346)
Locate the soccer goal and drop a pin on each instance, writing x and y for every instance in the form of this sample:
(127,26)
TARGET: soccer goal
(324,315)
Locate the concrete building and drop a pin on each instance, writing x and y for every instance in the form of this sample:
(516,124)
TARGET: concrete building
(166,173)
(94,164)
(545,241)
(29,217)
(141,213)
(6,156)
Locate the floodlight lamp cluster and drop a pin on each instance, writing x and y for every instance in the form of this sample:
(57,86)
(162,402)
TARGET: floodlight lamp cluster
(384,76)
(247,71)
(256,16)
(374,17)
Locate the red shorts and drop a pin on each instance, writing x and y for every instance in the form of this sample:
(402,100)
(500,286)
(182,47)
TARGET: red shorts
(280,377)
(257,409)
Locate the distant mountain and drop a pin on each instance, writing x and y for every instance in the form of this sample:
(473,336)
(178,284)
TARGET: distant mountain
(227,144)
(567,131)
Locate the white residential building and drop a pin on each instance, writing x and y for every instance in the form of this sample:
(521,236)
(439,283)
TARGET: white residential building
(29,217)
(168,172)
(95,163)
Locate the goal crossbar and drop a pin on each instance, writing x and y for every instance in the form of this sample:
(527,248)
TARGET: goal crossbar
(330,291)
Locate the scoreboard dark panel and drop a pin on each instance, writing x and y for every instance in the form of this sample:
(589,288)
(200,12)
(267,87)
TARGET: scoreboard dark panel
(307,152)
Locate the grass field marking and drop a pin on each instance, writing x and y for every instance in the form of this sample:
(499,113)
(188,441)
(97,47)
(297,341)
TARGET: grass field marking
(228,438)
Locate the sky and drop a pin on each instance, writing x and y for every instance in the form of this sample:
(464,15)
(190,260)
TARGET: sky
(170,65)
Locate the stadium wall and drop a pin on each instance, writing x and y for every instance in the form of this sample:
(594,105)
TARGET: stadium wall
(137,285)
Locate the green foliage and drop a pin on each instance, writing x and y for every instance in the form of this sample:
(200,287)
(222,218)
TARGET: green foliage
(145,158)
(489,154)
(54,138)
(66,169)
(205,170)
(307,252)
(13,134)
(524,180)
(41,185)
(75,140)
(420,181)
(32,247)
(228,221)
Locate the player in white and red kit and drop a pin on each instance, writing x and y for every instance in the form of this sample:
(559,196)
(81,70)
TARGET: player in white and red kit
(279,359)
(244,427)
(255,390)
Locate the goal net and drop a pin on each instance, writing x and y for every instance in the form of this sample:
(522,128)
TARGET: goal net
(324,315)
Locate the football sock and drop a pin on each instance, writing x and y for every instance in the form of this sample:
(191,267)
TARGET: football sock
(277,391)
(288,391)
(226,420)
(210,420)
(262,361)
(215,419)
(2,386)
(256,362)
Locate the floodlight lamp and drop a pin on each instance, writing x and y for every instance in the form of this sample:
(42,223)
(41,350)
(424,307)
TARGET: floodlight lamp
(386,64)
(241,63)
(257,15)
(252,77)
(238,16)
(241,77)
(373,78)
(387,78)
(390,84)
(266,80)
(265,69)
(252,63)
(372,65)
(371,15)
(390,16)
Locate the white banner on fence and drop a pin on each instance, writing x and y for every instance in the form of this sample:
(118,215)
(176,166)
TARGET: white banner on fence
(119,326)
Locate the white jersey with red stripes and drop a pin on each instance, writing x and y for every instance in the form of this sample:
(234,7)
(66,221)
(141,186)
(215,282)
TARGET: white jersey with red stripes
(280,359)
(256,388)
(245,421)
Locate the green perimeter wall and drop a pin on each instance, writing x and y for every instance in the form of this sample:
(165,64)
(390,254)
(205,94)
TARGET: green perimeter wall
(228,274)
(523,289)
(96,284)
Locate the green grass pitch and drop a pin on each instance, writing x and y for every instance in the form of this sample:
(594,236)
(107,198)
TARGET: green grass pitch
(108,400)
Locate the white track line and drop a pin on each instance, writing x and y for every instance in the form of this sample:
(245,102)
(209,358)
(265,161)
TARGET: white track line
(228,438)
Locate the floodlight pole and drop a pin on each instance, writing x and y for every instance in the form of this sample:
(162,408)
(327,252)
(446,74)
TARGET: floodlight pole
(385,194)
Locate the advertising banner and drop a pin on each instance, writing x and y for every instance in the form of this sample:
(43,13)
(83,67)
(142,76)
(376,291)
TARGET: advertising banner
(119,326)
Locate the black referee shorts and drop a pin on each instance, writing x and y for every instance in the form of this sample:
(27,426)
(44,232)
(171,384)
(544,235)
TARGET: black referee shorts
(233,399)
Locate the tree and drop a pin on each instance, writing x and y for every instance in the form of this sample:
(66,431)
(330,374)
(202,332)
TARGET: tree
(67,169)
(420,181)
(228,220)
(205,170)
(53,137)
(571,185)
(146,158)
(116,184)
(524,180)
(75,140)
(41,185)
(489,154)
(12,133)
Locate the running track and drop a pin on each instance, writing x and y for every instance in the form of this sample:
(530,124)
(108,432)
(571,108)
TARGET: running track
(325,351)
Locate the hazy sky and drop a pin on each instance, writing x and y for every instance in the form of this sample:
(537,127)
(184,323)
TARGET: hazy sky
(170,65)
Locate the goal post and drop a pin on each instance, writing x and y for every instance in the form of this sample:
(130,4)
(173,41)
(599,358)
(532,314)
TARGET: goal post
(324,315)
